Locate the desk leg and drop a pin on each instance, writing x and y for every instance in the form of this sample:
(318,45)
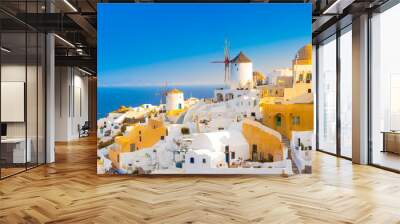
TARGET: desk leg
(384,142)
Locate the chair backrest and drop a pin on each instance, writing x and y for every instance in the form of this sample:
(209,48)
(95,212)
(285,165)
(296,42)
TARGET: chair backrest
(86,125)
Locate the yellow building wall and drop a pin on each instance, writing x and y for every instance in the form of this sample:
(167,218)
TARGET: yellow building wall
(266,142)
(287,112)
(113,155)
(143,136)
(176,113)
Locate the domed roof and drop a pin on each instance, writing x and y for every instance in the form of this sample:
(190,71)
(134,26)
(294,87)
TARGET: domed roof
(174,91)
(304,55)
(241,58)
(257,75)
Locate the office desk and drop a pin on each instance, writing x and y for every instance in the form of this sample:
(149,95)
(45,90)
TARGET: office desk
(13,150)
(391,141)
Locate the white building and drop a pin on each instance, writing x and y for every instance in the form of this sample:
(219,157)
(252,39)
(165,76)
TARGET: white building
(203,159)
(240,80)
(244,103)
(175,100)
(241,72)
(305,137)
(279,72)
(216,150)
(229,94)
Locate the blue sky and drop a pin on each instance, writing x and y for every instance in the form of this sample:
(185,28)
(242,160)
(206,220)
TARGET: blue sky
(150,44)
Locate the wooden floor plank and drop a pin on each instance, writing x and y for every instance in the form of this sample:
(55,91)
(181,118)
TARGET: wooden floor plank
(69,191)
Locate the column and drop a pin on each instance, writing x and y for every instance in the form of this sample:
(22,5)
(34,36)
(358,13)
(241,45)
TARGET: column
(360,90)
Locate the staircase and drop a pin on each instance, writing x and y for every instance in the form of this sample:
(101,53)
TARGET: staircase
(286,142)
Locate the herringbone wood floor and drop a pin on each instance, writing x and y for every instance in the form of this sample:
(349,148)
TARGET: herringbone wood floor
(69,191)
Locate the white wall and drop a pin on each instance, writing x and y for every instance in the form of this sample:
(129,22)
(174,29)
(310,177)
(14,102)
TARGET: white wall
(16,73)
(12,73)
(241,75)
(173,100)
(33,126)
(71,103)
(61,103)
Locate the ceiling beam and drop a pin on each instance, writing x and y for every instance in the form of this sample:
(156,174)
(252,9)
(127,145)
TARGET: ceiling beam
(77,61)
(85,25)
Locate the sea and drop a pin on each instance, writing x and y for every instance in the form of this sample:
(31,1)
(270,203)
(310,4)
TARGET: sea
(111,98)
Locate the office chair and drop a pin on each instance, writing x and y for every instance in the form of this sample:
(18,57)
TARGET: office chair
(84,130)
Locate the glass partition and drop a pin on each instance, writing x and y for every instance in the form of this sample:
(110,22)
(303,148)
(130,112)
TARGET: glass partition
(22,90)
(13,94)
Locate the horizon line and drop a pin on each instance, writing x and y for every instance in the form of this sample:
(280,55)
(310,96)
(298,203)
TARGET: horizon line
(161,85)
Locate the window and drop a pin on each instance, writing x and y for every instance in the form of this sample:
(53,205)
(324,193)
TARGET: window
(278,120)
(140,138)
(204,160)
(309,91)
(385,89)
(308,77)
(300,78)
(133,147)
(191,160)
(346,93)
(327,95)
(254,152)
(296,120)
(232,155)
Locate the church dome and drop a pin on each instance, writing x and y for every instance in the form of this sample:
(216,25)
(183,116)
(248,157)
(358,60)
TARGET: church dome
(304,55)
(174,91)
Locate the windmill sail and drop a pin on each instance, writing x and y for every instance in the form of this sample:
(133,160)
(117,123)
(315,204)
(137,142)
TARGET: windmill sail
(226,62)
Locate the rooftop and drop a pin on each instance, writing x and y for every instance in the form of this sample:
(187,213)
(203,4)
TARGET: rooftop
(241,58)
(174,91)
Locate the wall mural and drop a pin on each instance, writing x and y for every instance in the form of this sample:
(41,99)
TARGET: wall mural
(205,89)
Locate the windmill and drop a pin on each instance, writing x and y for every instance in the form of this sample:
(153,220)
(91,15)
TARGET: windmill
(226,62)
(163,92)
